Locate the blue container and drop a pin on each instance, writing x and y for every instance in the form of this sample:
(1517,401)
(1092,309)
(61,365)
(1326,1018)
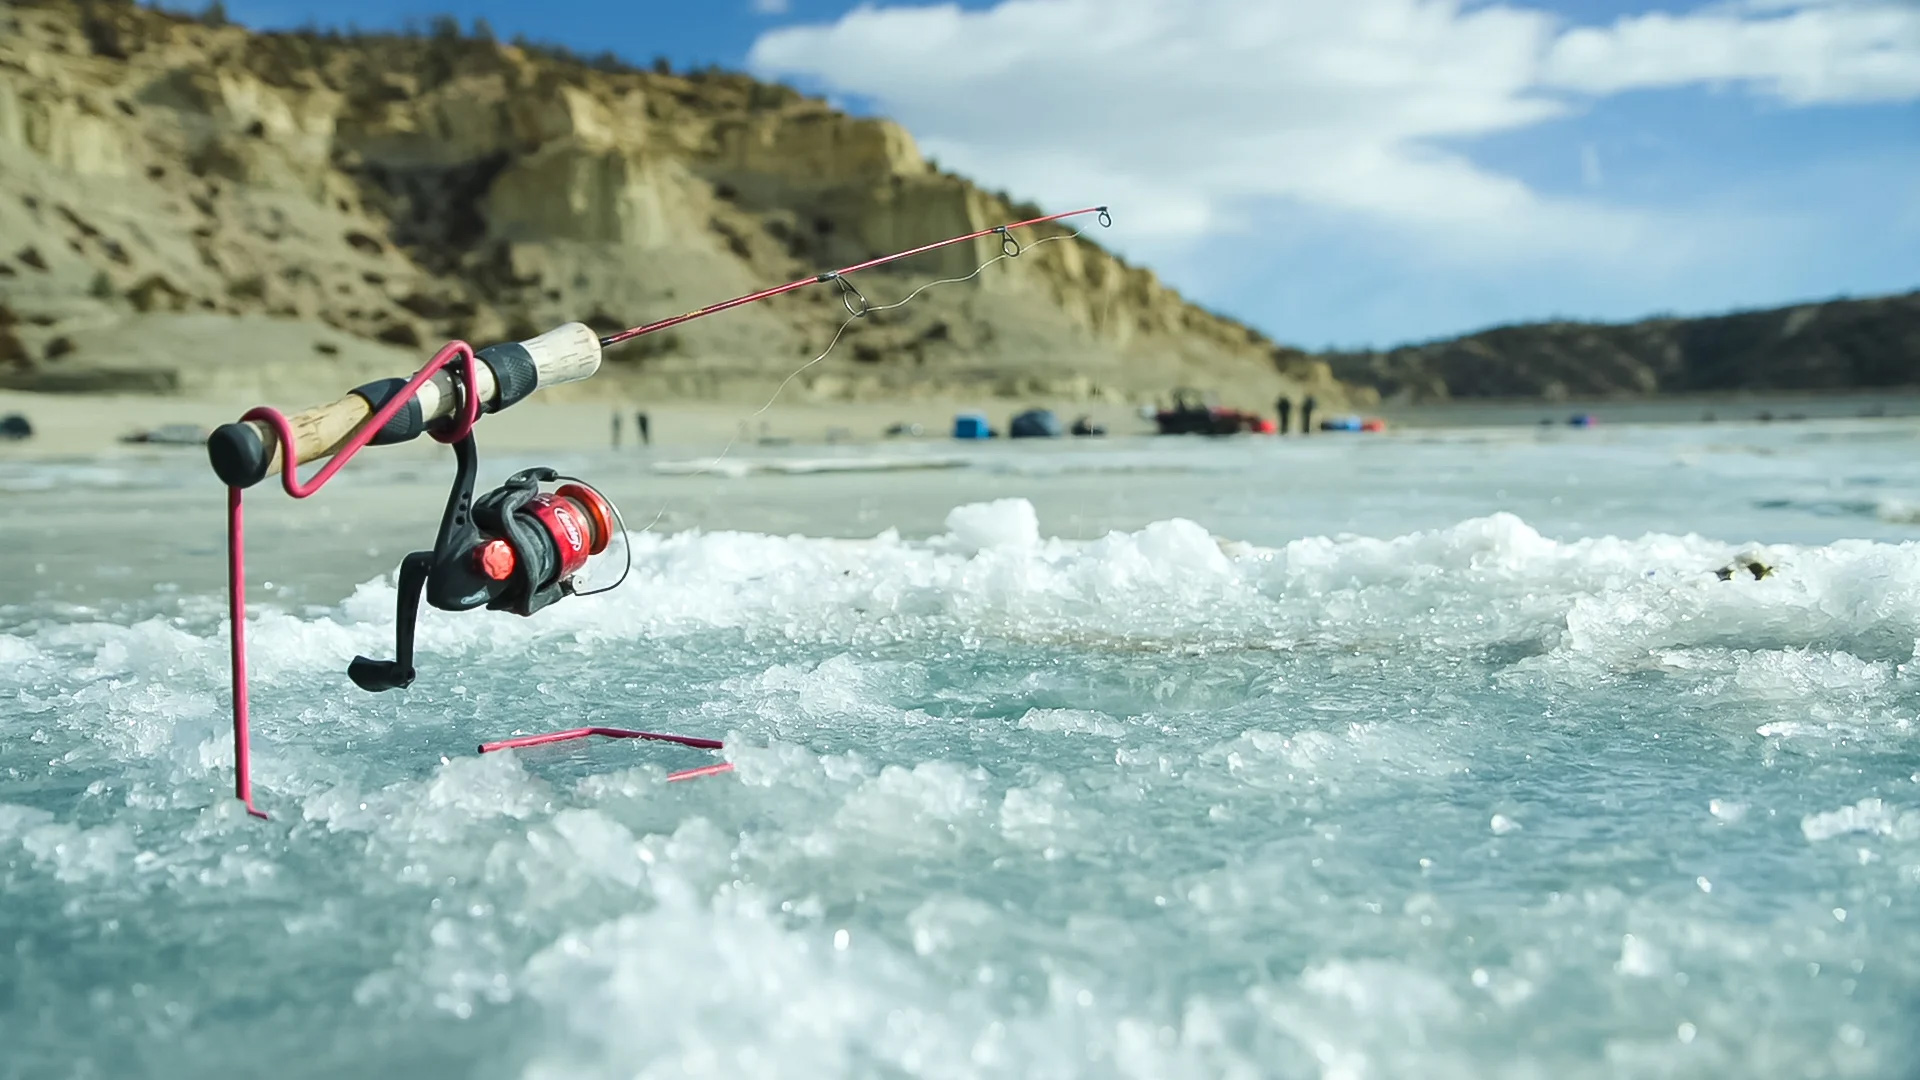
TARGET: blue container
(971,426)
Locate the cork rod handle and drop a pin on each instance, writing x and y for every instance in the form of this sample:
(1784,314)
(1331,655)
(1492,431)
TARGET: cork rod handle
(246,452)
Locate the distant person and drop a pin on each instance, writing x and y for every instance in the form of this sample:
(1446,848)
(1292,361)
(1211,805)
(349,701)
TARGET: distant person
(640,424)
(1285,408)
(616,429)
(1306,415)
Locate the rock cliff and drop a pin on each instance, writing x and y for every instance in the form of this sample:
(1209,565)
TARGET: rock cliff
(191,206)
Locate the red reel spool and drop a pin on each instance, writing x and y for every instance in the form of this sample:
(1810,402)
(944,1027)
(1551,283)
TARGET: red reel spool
(579,522)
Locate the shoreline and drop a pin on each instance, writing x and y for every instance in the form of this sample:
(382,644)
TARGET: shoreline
(1729,406)
(89,425)
(92,425)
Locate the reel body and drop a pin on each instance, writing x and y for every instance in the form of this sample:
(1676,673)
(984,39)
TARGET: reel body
(517,548)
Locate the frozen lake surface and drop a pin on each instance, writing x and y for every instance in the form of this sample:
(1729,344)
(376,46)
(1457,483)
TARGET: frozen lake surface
(1437,755)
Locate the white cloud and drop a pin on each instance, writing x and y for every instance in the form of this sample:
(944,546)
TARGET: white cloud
(1827,51)
(1193,117)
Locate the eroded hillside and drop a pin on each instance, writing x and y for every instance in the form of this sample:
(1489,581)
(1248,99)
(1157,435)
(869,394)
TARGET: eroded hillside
(194,207)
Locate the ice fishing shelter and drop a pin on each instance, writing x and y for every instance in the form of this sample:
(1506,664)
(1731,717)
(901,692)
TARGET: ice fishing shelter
(1036,424)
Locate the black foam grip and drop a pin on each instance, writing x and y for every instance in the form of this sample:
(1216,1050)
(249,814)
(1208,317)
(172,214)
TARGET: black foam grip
(238,456)
(401,426)
(513,372)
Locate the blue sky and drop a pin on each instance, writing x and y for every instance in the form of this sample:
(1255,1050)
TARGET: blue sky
(1369,171)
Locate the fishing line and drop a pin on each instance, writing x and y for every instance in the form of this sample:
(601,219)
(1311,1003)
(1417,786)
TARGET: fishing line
(863,312)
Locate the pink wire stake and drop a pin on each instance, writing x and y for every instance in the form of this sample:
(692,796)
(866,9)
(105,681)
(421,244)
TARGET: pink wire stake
(290,479)
(695,741)
(237,611)
(523,741)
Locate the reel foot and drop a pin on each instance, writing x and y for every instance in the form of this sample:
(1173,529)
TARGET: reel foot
(378,675)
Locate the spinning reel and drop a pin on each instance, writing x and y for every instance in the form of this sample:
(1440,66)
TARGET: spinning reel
(516,548)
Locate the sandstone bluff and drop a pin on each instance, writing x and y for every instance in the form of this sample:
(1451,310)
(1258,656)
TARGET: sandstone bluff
(193,207)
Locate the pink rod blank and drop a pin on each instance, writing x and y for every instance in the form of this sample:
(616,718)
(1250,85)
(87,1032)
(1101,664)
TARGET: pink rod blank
(713,309)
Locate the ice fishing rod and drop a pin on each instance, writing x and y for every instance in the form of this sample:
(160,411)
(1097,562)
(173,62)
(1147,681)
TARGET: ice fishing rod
(520,547)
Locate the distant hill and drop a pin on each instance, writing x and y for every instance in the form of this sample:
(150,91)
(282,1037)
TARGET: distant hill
(188,205)
(1839,345)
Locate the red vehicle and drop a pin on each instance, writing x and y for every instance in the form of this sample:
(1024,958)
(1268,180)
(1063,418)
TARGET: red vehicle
(1191,415)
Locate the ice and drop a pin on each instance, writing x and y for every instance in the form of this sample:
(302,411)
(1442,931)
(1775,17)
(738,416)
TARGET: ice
(735,466)
(1640,959)
(1476,793)
(17,821)
(16,651)
(1866,816)
(1073,721)
(1042,816)
(1004,523)
(935,804)
(71,854)
(1591,605)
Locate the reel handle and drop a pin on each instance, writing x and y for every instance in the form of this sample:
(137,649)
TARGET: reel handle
(244,453)
(377,675)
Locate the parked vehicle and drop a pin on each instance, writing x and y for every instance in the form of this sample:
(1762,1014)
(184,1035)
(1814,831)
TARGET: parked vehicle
(1193,415)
